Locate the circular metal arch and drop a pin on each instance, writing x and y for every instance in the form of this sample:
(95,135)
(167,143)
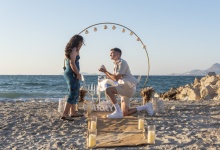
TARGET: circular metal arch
(144,47)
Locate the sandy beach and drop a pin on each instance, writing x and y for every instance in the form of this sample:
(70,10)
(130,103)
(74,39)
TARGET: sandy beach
(37,125)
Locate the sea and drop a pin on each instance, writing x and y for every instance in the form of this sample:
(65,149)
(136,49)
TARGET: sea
(47,88)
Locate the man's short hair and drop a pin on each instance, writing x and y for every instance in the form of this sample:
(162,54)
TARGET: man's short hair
(117,50)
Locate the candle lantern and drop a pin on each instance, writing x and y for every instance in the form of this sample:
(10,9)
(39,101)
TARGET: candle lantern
(93,122)
(61,105)
(92,138)
(141,121)
(151,134)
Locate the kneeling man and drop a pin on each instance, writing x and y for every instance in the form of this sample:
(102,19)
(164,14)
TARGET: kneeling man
(126,87)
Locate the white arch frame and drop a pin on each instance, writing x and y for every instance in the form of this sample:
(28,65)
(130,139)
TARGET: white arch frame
(131,33)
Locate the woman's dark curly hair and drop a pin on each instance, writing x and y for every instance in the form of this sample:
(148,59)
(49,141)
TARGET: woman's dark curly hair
(74,42)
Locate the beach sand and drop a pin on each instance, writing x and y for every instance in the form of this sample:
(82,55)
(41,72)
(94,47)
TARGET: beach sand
(37,125)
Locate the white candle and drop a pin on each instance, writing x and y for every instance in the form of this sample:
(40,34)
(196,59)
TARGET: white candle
(140,124)
(92,140)
(151,137)
(93,125)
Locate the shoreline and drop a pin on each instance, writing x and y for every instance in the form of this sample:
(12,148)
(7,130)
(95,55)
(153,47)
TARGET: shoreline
(37,125)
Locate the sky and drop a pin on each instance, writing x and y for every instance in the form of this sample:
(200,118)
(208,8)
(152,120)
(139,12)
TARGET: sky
(179,35)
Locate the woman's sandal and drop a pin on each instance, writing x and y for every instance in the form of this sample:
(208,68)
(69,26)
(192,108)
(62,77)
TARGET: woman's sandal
(67,118)
(77,115)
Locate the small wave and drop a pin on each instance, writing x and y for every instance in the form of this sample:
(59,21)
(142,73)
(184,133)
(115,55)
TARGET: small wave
(43,100)
(35,84)
(24,84)
(16,95)
(13,95)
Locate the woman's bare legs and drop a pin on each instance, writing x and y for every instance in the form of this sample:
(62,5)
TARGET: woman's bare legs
(73,109)
(67,109)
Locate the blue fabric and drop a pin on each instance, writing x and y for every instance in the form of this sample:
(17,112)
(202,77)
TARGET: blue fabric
(73,84)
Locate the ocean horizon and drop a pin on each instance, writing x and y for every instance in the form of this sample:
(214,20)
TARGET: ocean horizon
(54,87)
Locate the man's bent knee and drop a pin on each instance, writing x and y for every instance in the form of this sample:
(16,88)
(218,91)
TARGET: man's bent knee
(108,91)
(111,90)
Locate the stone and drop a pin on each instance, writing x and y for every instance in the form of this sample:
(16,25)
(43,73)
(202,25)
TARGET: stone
(211,74)
(189,94)
(218,91)
(197,86)
(207,97)
(217,97)
(205,91)
(209,80)
(196,81)
(214,87)
(171,94)
(218,83)
(208,87)
(193,94)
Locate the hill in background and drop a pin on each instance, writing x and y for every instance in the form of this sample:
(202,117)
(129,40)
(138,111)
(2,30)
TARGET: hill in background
(196,72)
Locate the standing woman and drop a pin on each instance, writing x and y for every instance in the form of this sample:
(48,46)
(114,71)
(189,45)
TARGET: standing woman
(72,76)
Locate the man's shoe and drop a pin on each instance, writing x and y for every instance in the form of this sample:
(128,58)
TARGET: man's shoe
(149,108)
(115,115)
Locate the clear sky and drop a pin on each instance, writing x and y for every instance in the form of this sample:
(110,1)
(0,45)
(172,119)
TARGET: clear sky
(180,35)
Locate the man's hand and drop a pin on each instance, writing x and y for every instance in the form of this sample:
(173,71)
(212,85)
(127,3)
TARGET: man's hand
(103,70)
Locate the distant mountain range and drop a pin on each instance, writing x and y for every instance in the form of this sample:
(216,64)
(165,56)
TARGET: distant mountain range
(196,72)
(85,73)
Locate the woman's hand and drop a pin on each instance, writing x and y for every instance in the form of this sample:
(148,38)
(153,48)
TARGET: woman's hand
(78,76)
